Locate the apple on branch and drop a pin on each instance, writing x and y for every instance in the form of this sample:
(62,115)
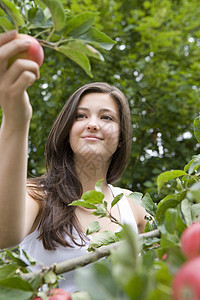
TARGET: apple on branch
(35,51)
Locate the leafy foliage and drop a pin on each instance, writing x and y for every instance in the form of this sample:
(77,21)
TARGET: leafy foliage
(63,32)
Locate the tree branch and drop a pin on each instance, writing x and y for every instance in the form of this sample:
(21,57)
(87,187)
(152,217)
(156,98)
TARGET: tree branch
(86,259)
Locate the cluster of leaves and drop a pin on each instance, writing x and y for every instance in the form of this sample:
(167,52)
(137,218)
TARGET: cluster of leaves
(55,27)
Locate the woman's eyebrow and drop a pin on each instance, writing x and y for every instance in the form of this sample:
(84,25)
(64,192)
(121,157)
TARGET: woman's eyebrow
(102,110)
(82,108)
(107,110)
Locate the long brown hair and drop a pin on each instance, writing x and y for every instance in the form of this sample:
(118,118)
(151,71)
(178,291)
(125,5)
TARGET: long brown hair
(59,186)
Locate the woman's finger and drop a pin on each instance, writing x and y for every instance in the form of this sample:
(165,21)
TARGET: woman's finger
(18,68)
(8,50)
(7,37)
(26,79)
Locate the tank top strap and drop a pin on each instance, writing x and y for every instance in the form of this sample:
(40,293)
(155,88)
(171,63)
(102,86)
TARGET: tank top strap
(126,214)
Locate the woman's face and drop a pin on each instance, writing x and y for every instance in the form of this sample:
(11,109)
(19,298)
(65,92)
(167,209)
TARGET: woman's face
(96,129)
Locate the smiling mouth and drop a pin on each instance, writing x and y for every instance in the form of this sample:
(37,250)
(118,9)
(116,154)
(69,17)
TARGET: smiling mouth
(92,138)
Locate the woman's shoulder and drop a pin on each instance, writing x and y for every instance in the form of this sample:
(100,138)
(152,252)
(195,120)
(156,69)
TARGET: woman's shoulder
(138,211)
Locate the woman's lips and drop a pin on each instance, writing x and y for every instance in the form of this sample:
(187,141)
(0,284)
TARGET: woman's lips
(92,138)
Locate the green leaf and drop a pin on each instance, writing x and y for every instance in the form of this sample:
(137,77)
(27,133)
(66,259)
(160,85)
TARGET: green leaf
(101,239)
(168,175)
(78,57)
(6,24)
(13,12)
(136,196)
(98,282)
(36,16)
(170,220)
(57,12)
(193,165)
(195,211)
(82,203)
(169,201)
(169,240)
(16,258)
(93,227)
(31,260)
(80,23)
(7,270)
(150,241)
(86,49)
(14,294)
(197,128)
(137,287)
(125,257)
(16,283)
(180,223)
(100,211)
(149,256)
(98,185)
(50,277)
(193,193)
(96,37)
(149,205)
(93,197)
(145,202)
(80,296)
(186,211)
(116,199)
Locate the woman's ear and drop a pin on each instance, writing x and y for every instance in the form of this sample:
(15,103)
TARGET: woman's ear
(119,144)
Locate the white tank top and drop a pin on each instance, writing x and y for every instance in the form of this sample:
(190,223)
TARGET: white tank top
(34,247)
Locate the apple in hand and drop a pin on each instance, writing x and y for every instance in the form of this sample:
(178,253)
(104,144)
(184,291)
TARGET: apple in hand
(190,241)
(57,294)
(34,52)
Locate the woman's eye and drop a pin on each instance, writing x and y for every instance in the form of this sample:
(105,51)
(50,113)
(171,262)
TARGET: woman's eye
(80,116)
(107,118)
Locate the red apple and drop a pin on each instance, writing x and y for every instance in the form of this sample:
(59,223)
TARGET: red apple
(190,241)
(35,51)
(57,294)
(186,282)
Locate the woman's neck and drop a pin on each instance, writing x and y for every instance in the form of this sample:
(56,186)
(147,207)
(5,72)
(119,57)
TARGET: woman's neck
(90,172)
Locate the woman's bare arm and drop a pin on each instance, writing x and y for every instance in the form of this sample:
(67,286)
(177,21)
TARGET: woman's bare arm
(17,211)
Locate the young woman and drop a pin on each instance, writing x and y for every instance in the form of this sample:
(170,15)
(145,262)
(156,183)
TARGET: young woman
(90,140)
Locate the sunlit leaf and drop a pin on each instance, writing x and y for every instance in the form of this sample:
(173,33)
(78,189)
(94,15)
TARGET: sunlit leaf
(57,12)
(93,197)
(82,203)
(197,128)
(101,239)
(6,24)
(98,185)
(96,37)
(100,211)
(168,175)
(116,199)
(13,12)
(80,23)
(16,283)
(169,201)
(78,57)
(93,227)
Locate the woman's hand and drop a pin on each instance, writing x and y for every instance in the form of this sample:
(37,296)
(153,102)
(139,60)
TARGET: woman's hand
(14,80)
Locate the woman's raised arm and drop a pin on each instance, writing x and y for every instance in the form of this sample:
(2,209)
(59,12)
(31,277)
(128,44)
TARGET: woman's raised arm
(16,217)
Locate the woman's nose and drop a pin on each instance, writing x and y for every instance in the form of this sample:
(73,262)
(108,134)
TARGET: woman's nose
(92,126)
